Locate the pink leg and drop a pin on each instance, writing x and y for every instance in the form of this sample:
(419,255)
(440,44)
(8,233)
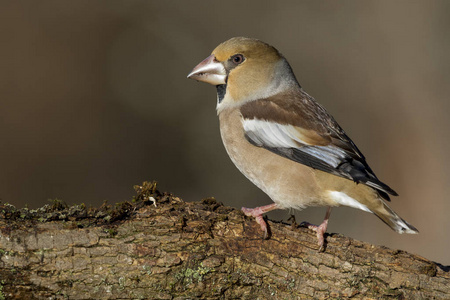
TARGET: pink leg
(257,213)
(321,229)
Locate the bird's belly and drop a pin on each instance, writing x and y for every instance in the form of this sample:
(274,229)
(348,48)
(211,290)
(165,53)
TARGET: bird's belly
(287,183)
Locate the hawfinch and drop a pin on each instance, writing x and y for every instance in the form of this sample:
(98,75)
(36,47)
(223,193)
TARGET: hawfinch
(285,142)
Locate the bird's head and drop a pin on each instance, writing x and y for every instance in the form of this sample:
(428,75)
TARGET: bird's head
(244,69)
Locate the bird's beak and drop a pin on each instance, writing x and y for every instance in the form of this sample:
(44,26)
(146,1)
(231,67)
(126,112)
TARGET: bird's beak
(210,71)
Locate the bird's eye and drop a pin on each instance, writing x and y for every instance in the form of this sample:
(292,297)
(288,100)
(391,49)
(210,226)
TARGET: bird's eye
(237,59)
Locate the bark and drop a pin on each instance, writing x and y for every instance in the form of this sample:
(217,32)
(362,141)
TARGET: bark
(198,250)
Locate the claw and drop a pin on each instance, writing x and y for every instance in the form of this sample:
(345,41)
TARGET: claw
(257,213)
(320,230)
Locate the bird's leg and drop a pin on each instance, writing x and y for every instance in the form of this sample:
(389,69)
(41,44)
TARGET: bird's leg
(257,213)
(321,229)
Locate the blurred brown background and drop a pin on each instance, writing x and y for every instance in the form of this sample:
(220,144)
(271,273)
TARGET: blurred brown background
(94,99)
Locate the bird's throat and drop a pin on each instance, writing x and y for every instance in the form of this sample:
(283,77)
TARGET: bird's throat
(221,90)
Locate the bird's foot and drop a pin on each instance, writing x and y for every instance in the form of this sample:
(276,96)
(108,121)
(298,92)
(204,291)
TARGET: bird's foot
(250,212)
(320,232)
(257,213)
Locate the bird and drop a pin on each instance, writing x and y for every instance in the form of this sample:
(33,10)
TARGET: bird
(285,142)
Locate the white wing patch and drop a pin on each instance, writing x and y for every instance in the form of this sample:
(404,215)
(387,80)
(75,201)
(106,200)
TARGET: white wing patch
(271,134)
(344,199)
(275,135)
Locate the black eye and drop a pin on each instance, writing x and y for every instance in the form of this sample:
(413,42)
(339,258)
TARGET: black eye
(237,59)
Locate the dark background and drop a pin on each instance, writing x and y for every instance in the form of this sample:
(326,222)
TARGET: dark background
(94,99)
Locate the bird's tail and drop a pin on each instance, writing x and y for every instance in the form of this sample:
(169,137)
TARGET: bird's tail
(388,216)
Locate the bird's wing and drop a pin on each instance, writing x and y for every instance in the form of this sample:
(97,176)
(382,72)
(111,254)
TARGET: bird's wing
(295,126)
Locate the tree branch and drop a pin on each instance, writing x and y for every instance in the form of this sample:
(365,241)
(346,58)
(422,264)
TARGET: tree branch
(198,250)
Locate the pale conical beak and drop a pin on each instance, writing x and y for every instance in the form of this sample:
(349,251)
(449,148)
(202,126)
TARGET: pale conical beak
(210,71)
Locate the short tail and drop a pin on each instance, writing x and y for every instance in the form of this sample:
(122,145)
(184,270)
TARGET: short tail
(388,216)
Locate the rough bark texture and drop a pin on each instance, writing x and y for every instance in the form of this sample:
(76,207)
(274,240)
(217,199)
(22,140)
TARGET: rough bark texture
(199,250)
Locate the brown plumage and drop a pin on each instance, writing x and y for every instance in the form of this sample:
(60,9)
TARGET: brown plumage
(285,142)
